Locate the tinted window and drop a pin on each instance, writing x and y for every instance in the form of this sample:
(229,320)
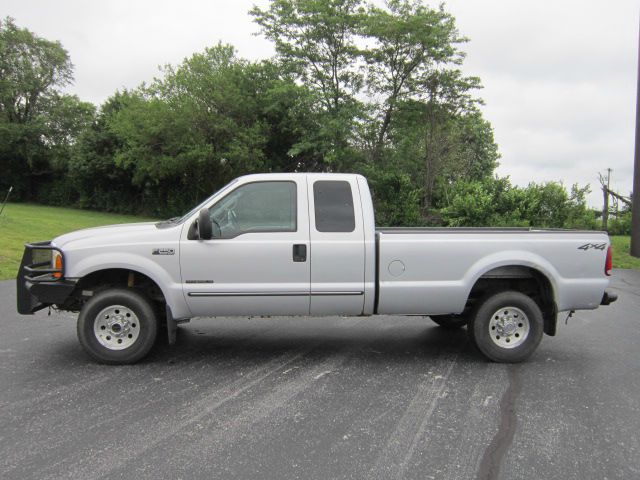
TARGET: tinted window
(333,206)
(257,207)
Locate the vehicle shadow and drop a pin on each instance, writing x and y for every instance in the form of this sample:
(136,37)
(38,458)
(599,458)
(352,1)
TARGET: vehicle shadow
(372,338)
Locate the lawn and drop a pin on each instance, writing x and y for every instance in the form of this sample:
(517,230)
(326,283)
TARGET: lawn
(21,223)
(621,257)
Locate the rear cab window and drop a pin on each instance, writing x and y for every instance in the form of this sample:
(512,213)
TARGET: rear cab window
(334,210)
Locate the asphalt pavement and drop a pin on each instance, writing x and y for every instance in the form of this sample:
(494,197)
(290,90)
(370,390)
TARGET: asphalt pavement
(323,398)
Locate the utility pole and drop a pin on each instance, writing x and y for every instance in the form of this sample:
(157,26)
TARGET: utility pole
(605,208)
(635,219)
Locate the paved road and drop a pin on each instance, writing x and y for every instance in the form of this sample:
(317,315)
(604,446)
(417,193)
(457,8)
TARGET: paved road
(323,398)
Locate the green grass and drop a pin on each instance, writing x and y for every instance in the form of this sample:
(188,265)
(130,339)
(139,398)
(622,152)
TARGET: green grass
(621,257)
(21,223)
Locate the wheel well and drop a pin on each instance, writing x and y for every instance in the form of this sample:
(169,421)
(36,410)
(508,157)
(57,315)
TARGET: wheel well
(99,280)
(527,280)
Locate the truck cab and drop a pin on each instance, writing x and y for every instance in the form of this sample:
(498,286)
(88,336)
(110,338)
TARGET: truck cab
(267,255)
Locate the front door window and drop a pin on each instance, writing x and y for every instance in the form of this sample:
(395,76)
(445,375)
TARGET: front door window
(256,208)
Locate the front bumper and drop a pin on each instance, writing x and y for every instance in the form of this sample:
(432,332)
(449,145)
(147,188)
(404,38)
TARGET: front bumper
(609,297)
(37,285)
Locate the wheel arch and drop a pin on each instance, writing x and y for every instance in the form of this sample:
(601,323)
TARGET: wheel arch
(128,277)
(161,276)
(519,276)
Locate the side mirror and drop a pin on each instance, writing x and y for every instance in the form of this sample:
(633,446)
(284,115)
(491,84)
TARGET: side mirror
(205,225)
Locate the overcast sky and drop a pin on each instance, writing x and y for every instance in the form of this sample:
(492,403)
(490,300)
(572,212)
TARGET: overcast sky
(559,76)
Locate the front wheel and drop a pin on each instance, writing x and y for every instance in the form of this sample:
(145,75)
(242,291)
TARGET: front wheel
(507,327)
(117,326)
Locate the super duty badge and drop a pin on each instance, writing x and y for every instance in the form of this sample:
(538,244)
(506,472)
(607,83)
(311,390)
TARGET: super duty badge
(163,251)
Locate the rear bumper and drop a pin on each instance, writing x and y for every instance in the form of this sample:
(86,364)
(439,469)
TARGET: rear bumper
(37,287)
(609,297)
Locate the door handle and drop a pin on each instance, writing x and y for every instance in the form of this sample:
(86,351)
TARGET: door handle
(300,252)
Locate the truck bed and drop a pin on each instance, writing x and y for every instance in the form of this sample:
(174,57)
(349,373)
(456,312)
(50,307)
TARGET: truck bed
(432,270)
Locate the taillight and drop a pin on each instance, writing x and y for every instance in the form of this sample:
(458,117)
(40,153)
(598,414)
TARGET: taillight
(608,266)
(57,263)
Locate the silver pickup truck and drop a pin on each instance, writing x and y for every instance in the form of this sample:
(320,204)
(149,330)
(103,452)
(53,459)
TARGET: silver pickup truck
(306,244)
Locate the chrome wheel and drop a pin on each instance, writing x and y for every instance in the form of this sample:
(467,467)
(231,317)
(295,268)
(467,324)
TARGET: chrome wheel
(116,327)
(509,327)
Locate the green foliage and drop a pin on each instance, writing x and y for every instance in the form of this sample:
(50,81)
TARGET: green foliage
(396,199)
(438,148)
(495,202)
(36,124)
(315,43)
(99,182)
(620,225)
(210,119)
(412,46)
(419,118)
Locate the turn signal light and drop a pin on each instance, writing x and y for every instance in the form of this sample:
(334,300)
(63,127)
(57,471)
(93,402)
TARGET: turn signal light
(608,266)
(57,264)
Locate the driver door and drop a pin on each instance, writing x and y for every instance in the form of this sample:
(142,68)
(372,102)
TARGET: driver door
(258,262)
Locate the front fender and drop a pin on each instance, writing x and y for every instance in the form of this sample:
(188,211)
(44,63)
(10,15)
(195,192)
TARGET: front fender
(169,283)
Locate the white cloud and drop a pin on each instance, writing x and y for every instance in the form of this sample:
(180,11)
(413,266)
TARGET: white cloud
(560,86)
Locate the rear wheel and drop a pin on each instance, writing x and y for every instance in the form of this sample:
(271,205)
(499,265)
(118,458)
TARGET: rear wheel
(117,326)
(450,321)
(507,327)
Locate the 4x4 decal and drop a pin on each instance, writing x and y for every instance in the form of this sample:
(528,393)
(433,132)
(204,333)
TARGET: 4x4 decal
(596,246)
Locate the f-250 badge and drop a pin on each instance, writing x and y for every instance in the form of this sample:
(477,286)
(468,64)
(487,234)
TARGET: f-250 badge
(595,246)
(163,251)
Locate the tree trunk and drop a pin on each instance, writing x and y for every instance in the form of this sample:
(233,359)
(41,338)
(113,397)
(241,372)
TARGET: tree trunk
(377,150)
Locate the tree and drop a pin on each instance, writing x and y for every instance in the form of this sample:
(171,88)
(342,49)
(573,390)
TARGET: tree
(32,70)
(411,43)
(315,41)
(203,122)
(98,181)
(407,56)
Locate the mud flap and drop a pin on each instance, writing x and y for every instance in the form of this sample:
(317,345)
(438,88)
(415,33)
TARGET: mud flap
(172,326)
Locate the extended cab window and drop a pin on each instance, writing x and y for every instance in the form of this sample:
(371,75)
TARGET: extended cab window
(333,206)
(257,207)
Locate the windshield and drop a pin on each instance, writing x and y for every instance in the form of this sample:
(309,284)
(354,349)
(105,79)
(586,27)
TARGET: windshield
(177,220)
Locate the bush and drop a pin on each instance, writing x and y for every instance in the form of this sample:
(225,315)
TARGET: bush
(620,225)
(496,203)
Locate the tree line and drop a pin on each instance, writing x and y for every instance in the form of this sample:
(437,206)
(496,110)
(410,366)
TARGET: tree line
(353,87)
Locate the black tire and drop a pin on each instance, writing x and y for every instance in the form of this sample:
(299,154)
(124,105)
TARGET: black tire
(141,323)
(450,322)
(490,343)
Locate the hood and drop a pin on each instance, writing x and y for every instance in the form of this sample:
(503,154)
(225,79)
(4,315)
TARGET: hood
(110,234)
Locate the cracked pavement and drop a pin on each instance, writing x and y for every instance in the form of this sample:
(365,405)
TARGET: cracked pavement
(320,398)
